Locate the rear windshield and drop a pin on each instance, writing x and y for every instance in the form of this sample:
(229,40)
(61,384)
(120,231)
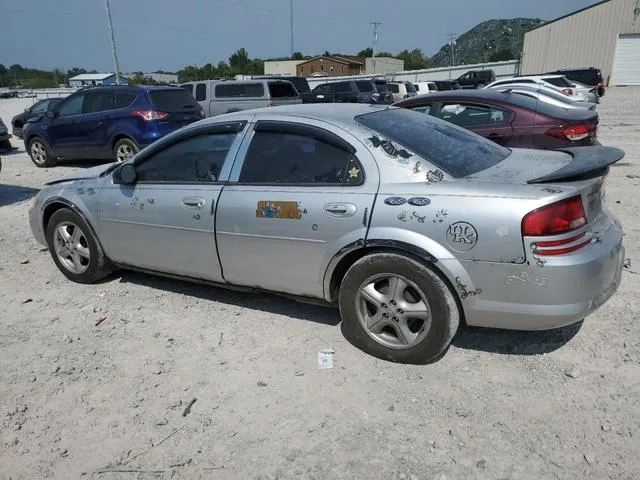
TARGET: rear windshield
(239,90)
(558,82)
(282,90)
(172,100)
(365,86)
(588,77)
(455,150)
(410,87)
(301,84)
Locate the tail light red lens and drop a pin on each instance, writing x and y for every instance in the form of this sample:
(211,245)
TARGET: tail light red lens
(555,219)
(149,115)
(572,132)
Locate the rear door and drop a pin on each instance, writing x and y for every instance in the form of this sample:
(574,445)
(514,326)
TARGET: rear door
(96,122)
(165,221)
(298,193)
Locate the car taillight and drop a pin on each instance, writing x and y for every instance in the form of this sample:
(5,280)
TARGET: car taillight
(567,91)
(555,219)
(148,115)
(572,132)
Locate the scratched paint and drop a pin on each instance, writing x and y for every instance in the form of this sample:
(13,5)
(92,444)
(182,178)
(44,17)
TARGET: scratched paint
(502,231)
(416,168)
(279,209)
(525,278)
(406,217)
(440,216)
(464,293)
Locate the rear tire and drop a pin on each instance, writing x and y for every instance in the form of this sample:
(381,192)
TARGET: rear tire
(40,153)
(5,145)
(124,149)
(75,251)
(398,309)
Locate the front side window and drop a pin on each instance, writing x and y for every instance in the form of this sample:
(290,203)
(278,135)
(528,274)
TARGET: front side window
(559,82)
(282,90)
(40,107)
(73,106)
(465,115)
(192,160)
(284,158)
(423,109)
(201,92)
(98,102)
(321,89)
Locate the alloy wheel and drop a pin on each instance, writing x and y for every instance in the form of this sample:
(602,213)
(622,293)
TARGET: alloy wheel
(71,247)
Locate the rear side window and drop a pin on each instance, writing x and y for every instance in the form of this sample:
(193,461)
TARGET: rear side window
(417,87)
(123,100)
(395,88)
(365,86)
(201,92)
(455,150)
(98,102)
(239,90)
(172,100)
(410,88)
(342,87)
(466,115)
(283,158)
(282,90)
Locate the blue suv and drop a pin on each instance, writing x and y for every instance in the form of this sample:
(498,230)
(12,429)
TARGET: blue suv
(108,123)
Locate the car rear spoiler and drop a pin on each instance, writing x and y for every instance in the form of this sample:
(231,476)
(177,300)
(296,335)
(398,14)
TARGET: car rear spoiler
(587,162)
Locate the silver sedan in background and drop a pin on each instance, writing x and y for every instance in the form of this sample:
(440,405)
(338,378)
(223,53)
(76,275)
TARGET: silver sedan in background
(546,95)
(409,224)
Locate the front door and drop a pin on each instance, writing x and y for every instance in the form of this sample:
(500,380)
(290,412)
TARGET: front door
(166,221)
(65,130)
(296,197)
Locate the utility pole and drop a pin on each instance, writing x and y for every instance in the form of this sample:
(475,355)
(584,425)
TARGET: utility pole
(113,44)
(452,59)
(291,19)
(375,42)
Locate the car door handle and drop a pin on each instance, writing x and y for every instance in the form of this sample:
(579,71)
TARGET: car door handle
(340,209)
(193,203)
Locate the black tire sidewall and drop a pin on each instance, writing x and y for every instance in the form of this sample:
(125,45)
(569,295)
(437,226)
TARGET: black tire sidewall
(124,141)
(96,269)
(49,161)
(445,314)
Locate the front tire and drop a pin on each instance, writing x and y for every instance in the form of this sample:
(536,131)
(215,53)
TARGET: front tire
(74,249)
(40,153)
(124,149)
(397,309)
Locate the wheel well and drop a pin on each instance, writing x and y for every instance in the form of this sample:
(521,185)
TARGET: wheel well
(351,258)
(119,137)
(49,211)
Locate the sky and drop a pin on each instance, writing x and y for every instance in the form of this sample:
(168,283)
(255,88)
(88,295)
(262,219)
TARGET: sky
(169,34)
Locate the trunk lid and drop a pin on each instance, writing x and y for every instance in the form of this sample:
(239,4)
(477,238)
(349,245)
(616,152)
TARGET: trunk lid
(578,168)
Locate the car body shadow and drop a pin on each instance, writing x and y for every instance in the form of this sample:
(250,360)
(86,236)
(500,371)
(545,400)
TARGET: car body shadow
(82,163)
(515,342)
(10,194)
(266,302)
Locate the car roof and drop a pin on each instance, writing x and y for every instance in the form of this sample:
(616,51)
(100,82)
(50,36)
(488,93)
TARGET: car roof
(483,94)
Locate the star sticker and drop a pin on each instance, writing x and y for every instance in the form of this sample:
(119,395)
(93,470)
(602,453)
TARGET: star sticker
(354,172)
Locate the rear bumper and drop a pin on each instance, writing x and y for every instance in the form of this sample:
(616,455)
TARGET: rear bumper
(539,296)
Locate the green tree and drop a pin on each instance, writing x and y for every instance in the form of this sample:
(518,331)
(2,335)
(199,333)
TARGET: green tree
(297,56)
(3,75)
(239,61)
(501,55)
(366,53)
(137,79)
(414,60)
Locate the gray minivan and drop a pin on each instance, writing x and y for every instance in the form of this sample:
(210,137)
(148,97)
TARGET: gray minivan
(225,96)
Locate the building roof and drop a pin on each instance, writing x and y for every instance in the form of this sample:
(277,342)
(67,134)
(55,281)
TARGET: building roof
(92,76)
(570,14)
(337,58)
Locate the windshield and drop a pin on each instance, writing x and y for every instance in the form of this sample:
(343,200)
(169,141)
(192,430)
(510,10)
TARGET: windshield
(455,150)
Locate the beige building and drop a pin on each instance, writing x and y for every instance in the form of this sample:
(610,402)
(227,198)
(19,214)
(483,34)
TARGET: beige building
(605,35)
(281,67)
(383,65)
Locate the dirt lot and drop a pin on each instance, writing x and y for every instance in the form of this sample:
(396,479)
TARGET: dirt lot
(78,398)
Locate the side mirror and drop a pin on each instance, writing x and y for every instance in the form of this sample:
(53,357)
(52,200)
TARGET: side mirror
(51,114)
(125,175)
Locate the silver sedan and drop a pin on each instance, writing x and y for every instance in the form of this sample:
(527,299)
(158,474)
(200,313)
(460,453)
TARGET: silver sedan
(409,224)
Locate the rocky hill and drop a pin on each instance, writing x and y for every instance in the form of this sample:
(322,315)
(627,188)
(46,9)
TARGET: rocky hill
(492,40)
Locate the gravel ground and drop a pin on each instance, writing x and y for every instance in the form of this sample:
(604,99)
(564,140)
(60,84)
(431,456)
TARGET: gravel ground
(78,398)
